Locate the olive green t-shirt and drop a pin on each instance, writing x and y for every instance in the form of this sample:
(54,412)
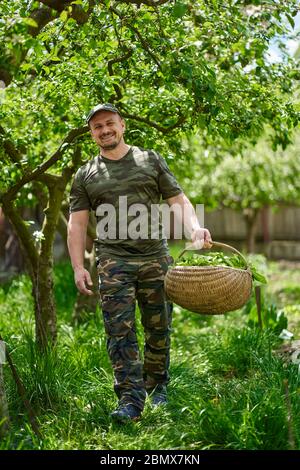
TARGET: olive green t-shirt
(125,195)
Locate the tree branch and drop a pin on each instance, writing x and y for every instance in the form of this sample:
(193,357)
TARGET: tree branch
(5,76)
(143,42)
(21,229)
(162,129)
(145,45)
(40,192)
(49,180)
(111,71)
(10,149)
(42,16)
(68,171)
(73,134)
(78,13)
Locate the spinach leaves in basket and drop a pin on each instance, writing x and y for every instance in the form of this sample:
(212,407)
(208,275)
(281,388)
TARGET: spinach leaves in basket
(220,259)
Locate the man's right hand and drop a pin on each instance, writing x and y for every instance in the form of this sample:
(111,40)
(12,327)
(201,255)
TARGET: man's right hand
(82,279)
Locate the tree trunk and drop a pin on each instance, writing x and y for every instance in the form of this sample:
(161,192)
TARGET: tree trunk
(38,251)
(40,258)
(251,217)
(44,303)
(45,309)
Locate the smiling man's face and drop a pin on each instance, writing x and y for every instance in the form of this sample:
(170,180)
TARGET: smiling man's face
(107,129)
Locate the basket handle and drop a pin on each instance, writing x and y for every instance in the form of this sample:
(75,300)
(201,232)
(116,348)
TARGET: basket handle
(220,245)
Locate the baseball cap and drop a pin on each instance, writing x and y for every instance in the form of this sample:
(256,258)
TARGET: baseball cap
(101,107)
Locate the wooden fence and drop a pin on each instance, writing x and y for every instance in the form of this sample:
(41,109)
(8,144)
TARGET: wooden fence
(278,231)
(280,224)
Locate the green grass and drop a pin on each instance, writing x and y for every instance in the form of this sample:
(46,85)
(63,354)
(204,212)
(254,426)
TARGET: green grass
(284,281)
(226,392)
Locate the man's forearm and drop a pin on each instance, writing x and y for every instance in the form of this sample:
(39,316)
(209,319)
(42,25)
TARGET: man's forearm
(77,228)
(185,213)
(190,220)
(76,246)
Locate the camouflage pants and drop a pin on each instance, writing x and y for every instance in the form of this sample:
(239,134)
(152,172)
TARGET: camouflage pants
(122,282)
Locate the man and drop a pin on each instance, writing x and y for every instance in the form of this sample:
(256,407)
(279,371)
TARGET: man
(120,180)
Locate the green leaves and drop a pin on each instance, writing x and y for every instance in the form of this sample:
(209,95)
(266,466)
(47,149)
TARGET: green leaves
(257,276)
(242,178)
(64,16)
(199,63)
(30,22)
(220,259)
(291,21)
(213,259)
(179,9)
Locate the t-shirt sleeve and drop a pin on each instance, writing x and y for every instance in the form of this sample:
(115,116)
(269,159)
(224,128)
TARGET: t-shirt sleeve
(167,183)
(79,199)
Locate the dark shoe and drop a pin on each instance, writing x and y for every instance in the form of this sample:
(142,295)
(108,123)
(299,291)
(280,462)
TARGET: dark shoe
(159,395)
(126,413)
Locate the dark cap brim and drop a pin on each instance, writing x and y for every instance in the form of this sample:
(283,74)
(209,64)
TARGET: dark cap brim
(102,107)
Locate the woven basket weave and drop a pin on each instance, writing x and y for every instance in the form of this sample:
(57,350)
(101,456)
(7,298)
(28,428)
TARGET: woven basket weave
(211,290)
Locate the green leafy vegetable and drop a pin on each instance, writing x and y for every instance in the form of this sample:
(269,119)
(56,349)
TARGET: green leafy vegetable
(220,259)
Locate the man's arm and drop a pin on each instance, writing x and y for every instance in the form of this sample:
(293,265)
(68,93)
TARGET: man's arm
(77,228)
(199,236)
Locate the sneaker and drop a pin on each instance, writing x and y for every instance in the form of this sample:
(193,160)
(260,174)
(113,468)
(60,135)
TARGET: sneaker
(126,413)
(159,395)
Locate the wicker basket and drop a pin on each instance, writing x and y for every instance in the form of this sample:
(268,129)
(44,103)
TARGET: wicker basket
(211,290)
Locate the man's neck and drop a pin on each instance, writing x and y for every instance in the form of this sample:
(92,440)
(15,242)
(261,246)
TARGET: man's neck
(116,153)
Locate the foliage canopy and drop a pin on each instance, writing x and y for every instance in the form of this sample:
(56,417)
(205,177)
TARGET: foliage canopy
(171,66)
